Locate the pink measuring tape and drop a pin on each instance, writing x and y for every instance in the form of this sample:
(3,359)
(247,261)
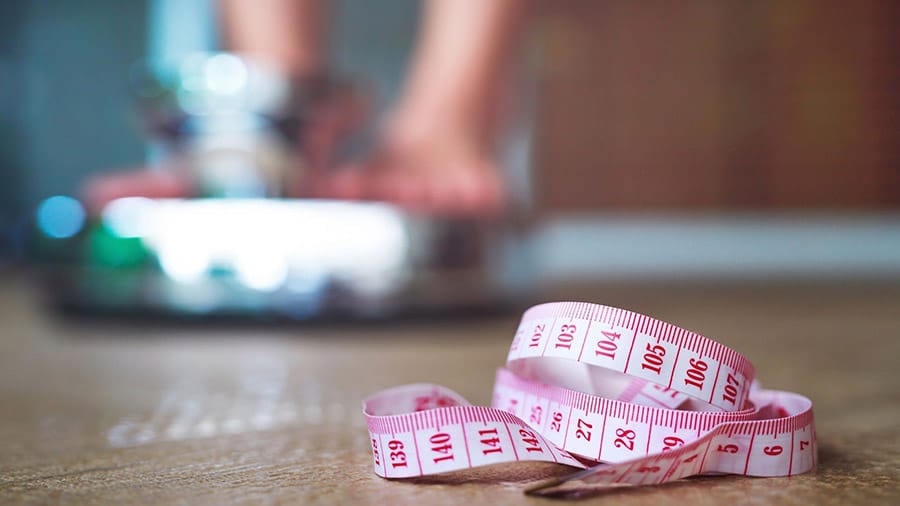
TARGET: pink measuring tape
(629,399)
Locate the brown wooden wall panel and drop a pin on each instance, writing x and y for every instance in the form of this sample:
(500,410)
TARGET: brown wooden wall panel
(652,105)
(828,143)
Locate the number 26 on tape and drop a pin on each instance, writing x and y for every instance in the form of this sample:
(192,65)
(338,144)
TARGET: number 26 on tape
(555,424)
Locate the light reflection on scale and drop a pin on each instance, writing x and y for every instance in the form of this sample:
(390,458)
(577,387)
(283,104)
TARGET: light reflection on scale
(267,244)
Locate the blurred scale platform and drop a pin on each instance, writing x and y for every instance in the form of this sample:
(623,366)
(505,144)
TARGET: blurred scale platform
(292,260)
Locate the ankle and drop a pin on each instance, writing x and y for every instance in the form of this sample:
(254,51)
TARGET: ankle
(414,122)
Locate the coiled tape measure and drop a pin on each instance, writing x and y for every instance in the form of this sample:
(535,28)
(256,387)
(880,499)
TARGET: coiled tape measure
(628,399)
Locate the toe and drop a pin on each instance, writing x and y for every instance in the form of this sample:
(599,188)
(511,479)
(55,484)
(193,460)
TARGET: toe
(100,190)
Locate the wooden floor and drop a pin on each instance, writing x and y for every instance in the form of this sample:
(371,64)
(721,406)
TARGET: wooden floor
(120,414)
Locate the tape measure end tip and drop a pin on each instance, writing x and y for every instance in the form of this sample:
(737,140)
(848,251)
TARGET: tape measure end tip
(539,487)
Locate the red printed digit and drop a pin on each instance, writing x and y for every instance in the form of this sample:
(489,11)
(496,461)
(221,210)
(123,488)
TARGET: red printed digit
(566,336)
(580,432)
(803,445)
(671,442)
(730,394)
(440,443)
(493,443)
(375,452)
(727,448)
(695,373)
(535,417)
(653,359)
(531,441)
(671,393)
(397,455)
(773,450)
(536,336)
(555,423)
(607,347)
(625,439)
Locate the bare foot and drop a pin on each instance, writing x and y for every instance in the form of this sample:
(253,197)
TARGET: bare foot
(326,124)
(438,167)
(428,167)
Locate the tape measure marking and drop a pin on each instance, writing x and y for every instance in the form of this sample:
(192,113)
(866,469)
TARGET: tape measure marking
(553,401)
(660,345)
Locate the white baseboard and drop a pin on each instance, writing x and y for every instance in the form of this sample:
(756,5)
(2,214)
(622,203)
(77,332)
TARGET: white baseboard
(739,246)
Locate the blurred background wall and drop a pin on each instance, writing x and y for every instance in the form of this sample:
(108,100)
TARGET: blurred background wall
(713,105)
(719,105)
(64,105)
